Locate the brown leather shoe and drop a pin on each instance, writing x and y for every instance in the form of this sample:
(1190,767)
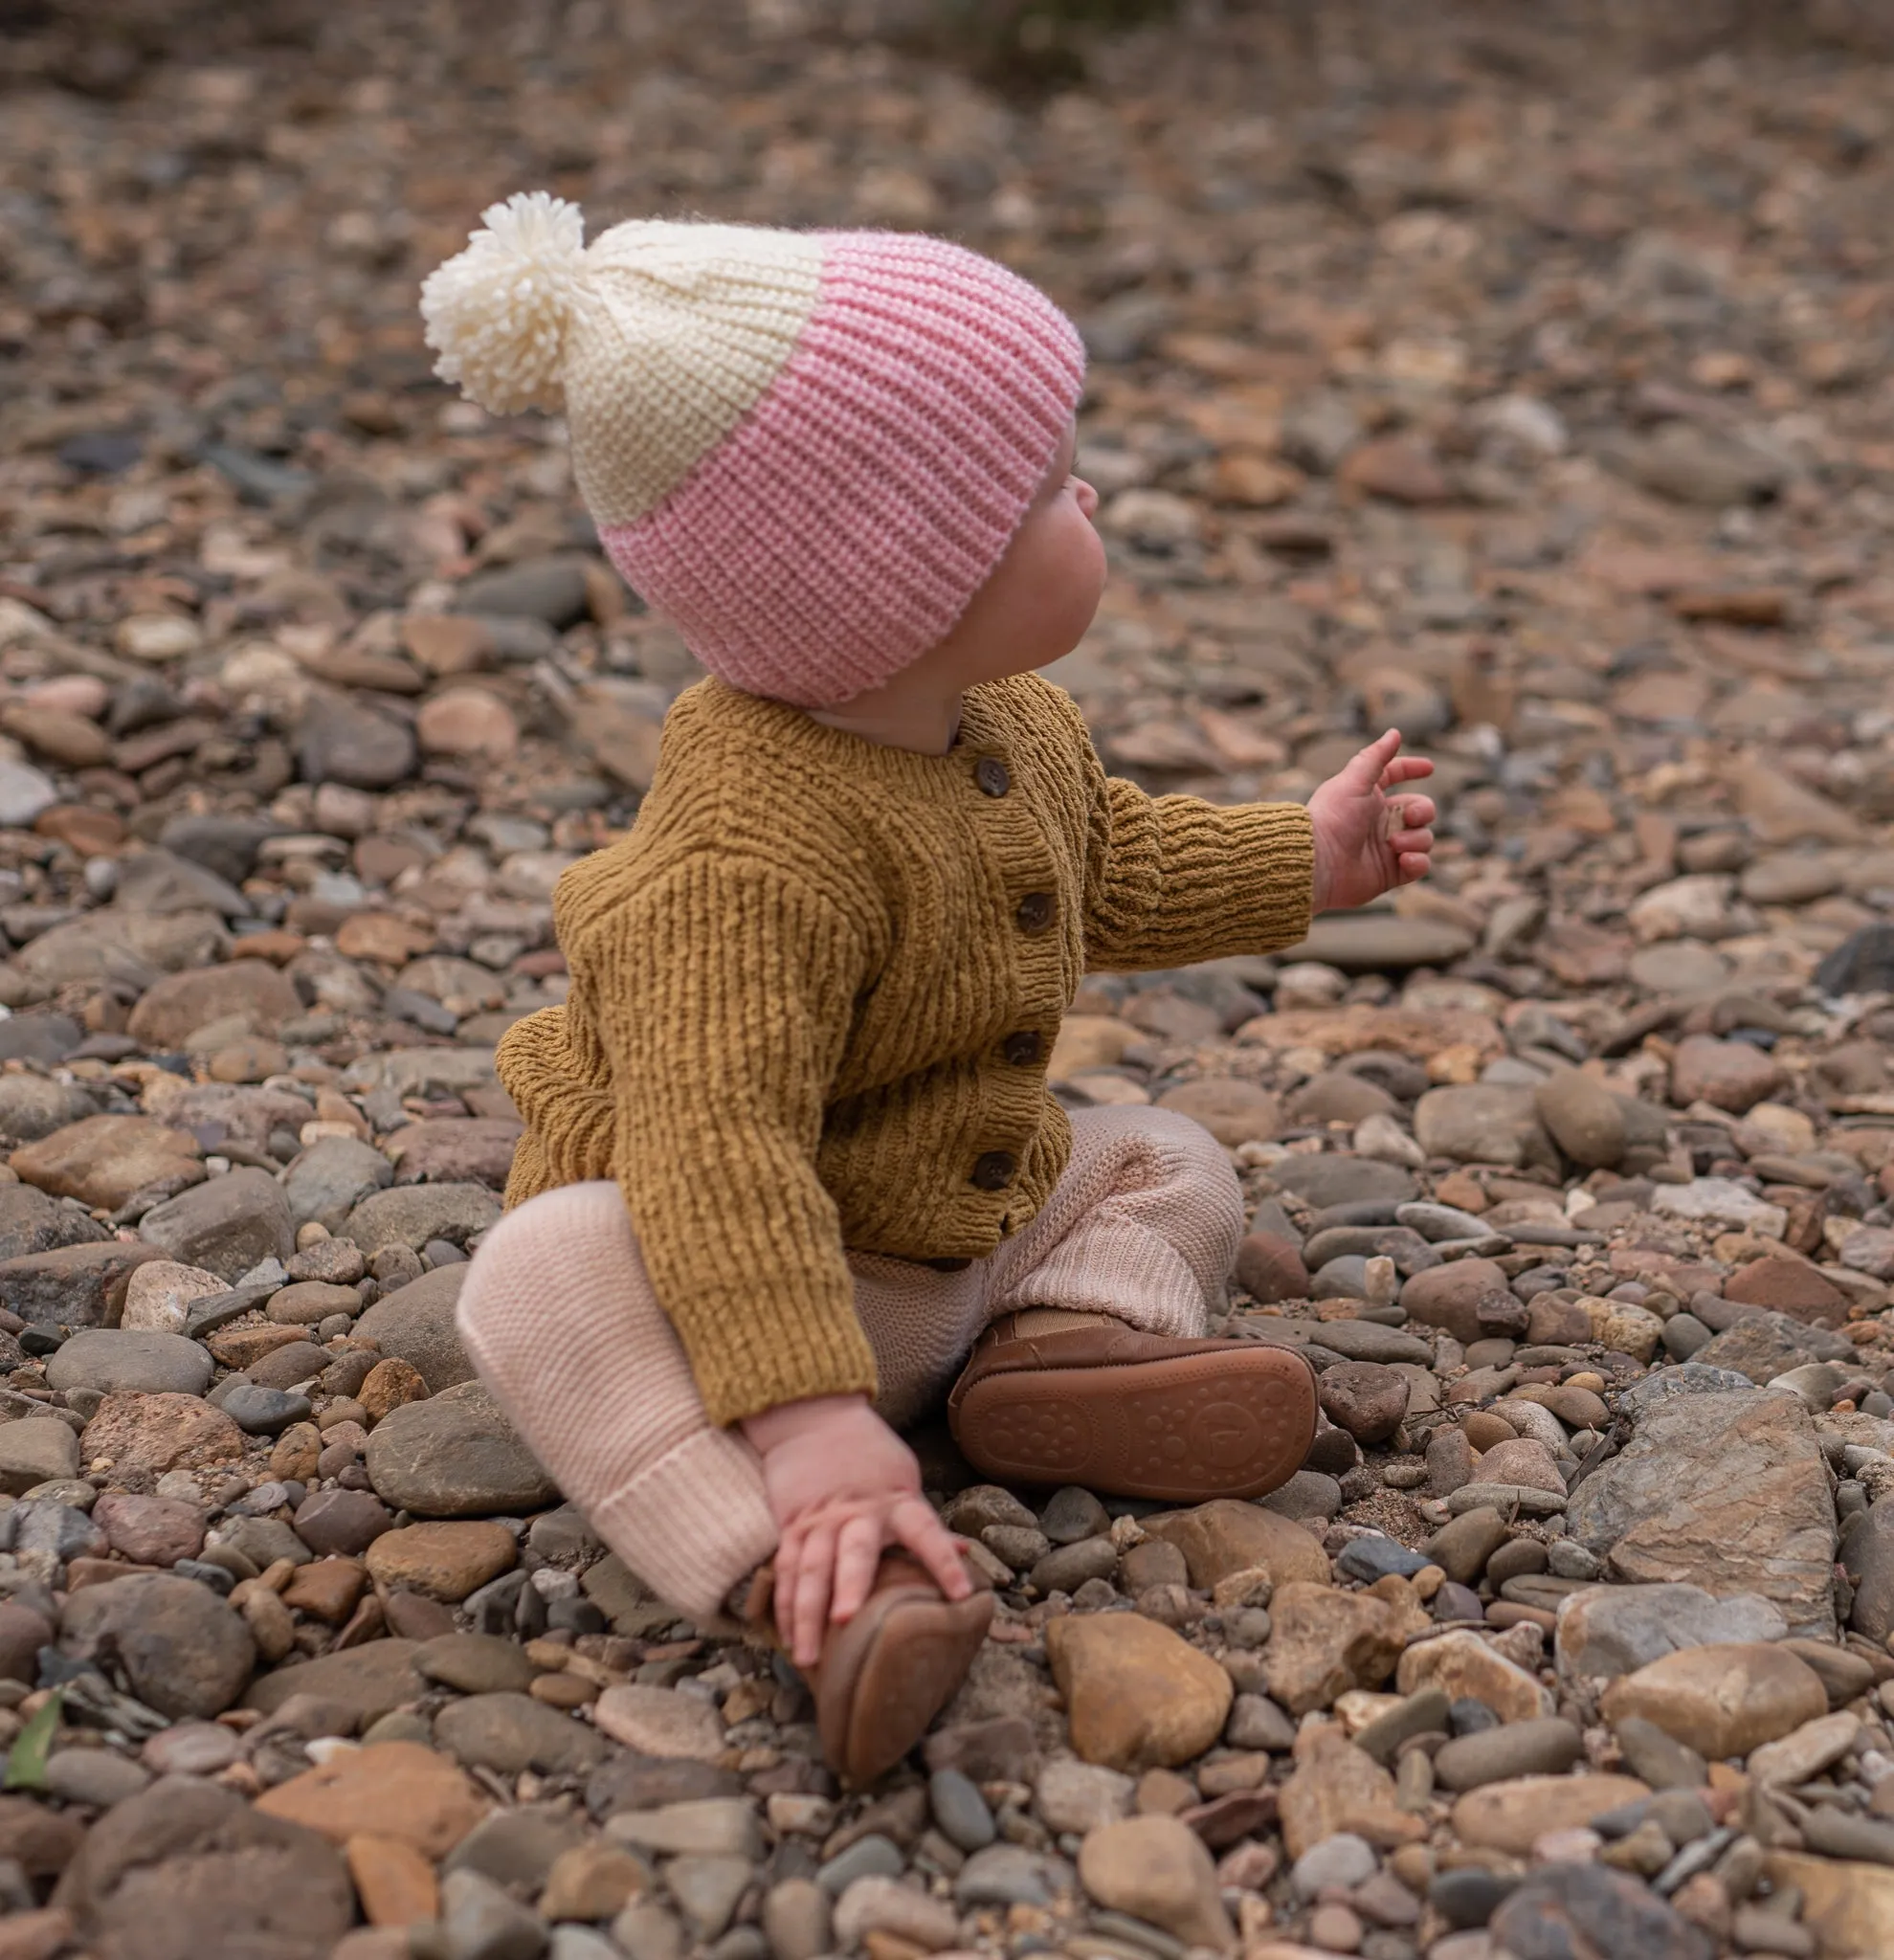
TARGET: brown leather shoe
(885,1673)
(1130,1415)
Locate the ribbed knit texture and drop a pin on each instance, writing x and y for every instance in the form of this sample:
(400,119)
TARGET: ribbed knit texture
(810,448)
(560,1316)
(792,986)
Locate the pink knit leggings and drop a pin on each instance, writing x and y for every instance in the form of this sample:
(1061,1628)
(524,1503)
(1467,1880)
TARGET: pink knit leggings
(559,1317)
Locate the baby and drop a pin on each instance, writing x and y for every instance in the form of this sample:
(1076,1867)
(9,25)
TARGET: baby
(791,1173)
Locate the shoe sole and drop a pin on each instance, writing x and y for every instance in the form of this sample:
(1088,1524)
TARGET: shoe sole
(1182,1430)
(889,1672)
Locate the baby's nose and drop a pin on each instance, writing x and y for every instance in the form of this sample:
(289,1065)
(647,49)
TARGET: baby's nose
(1088,498)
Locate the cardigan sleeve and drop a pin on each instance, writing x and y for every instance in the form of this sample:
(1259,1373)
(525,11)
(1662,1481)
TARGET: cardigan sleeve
(725,994)
(1172,880)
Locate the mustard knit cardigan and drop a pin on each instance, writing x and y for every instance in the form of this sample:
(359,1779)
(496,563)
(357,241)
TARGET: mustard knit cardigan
(814,991)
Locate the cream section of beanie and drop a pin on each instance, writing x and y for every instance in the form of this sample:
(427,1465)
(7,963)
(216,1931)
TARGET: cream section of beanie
(658,338)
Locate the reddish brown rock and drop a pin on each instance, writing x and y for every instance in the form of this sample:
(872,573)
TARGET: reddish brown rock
(1270,1268)
(144,1435)
(1788,1286)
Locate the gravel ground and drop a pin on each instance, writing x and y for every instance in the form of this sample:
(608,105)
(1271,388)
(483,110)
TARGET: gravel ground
(1494,376)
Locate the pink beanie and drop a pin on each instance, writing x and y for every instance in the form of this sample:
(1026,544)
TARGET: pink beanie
(809,448)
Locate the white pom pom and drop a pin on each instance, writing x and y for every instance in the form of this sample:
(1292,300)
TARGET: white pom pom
(498,313)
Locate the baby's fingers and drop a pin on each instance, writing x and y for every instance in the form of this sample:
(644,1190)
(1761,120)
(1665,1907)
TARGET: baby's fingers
(809,1611)
(914,1523)
(1405,768)
(858,1557)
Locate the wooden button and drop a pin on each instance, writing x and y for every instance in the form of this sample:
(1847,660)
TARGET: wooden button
(1036,911)
(1021,1050)
(993,776)
(993,1170)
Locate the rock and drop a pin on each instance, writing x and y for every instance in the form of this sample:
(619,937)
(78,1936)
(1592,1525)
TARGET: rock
(1227,1536)
(1323,1644)
(32,1222)
(1512,1816)
(1367,1400)
(472,1149)
(1336,1096)
(226,1225)
(1336,1180)
(22,1633)
(700,1827)
(1605,1631)
(1342,1861)
(1720,1700)
(1583,1907)
(476,1664)
(1804,1753)
(367,1682)
(1544,1745)
(145,1436)
(396,1790)
(1731,1075)
(34,1107)
(445,1560)
(1848,1907)
(79,1285)
(40,1843)
(884,1906)
(94,1777)
(511,1732)
(415,1324)
(1583,1118)
(324,1183)
(1481,1124)
(1462,1666)
(1157,1870)
(1461,1548)
(1270,1268)
(187,1869)
(454,1455)
(346,1522)
(113,1360)
(594,1880)
(1381,941)
(1234,1111)
(1788,1286)
(1729,1491)
(134,948)
(184,1652)
(1450,1297)
(150,1531)
(1079,1797)
(1761,1345)
(102,1160)
(176,1007)
(660,1722)
(36,1449)
(413,1214)
(1338,1788)
(394,1882)
(481,1922)
(339,741)
(308,1302)
(160,1292)
(1522,1461)
(1137,1696)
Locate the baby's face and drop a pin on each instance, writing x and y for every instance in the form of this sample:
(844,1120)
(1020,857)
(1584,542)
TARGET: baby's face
(1041,596)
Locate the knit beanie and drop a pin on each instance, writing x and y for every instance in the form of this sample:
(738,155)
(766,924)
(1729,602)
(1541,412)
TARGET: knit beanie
(809,448)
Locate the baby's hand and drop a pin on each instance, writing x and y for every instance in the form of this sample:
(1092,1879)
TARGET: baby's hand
(842,1485)
(1366,842)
